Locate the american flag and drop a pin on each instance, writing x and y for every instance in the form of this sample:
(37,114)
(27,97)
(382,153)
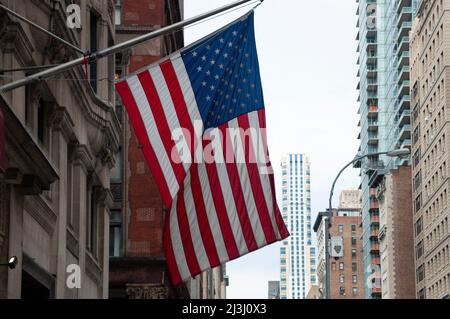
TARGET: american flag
(199,115)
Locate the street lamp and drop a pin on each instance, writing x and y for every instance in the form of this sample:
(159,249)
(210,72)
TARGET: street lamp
(12,262)
(395,153)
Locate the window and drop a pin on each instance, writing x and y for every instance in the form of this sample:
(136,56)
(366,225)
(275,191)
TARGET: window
(341,266)
(421,294)
(418,203)
(353,241)
(353,253)
(417,157)
(341,229)
(353,230)
(355,279)
(341,278)
(115,234)
(419,227)
(419,250)
(41,123)
(92,219)
(342,291)
(420,273)
(354,267)
(416,135)
(354,291)
(417,181)
(118,12)
(94,47)
(116,172)
(69,190)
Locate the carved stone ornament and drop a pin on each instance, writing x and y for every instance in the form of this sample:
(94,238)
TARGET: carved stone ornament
(147,291)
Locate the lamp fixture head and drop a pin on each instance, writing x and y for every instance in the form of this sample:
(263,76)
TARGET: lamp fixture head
(12,262)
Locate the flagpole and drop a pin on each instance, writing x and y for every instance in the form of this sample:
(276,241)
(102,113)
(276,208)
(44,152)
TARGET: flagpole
(117,48)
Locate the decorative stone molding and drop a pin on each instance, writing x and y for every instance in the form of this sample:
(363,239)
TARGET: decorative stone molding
(14,40)
(83,157)
(41,212)
(72,243)
(105,197)
(93,269)
(147,291)
(31,185)
(107,157)
(61,121)
(58,52)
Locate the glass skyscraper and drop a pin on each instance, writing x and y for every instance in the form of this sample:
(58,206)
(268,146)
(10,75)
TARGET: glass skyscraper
(297,254)
(384,72)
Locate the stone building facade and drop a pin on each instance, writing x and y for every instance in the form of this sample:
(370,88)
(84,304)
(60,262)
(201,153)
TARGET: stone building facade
(430,107)
(61,138)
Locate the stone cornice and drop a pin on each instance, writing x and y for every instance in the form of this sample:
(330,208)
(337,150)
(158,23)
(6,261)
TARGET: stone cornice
(14,40)
(28,156)
(99,113)
(72,243)
(134,29)
(105,197)
(83,157)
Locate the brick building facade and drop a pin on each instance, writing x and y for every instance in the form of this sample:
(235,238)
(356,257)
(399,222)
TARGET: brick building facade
(346,279)
(396,235)
(346,272)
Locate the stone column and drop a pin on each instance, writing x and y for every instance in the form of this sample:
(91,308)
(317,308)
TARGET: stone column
(82,169)
(62,219)
(63,135)
(60,144)
(105,202)
(4,213)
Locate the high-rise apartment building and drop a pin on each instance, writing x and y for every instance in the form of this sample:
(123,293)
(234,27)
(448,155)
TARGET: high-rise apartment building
(430,78)
(346,273)
(297,254)
(383,47)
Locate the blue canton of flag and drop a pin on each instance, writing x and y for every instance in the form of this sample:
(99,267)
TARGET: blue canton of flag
(224,74)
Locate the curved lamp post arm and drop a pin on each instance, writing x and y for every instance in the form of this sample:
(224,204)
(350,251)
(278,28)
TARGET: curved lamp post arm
(330,204)
(356,159)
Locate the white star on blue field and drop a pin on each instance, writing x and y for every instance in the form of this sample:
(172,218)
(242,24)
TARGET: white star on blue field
(224,73)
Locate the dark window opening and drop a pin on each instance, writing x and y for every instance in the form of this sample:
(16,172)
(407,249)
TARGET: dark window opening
(115,234)
(41,122)
(94,48)
(33,289)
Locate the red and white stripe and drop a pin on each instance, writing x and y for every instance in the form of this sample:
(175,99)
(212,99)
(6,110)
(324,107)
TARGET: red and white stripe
(218,211)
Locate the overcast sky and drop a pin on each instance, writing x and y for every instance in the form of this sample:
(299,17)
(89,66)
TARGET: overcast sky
(308,69)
